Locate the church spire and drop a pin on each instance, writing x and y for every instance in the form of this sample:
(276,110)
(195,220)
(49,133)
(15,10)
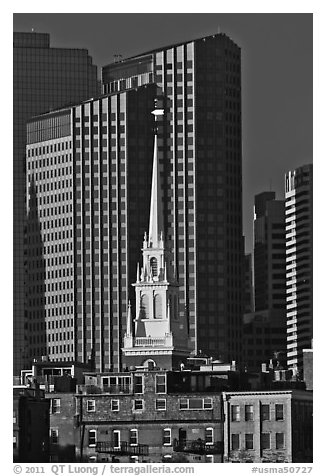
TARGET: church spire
(156,210)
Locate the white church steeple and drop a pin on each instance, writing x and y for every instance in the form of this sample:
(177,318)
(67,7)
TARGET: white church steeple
(159,333)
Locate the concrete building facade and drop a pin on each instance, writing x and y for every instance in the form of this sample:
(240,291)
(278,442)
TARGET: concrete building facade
(268,426)
(299,264)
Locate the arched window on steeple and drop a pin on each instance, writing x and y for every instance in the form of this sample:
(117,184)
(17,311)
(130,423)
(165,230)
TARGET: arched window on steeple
(144,307)
(158,307)
(153,265)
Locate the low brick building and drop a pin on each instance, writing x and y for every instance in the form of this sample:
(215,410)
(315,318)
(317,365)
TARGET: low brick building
(64,435)
(145,416)
(268,426)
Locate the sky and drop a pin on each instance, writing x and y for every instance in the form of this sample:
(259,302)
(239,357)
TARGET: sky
(277,76)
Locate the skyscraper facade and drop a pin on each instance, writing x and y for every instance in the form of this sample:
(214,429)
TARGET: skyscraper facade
(201,163)
(299,265)
(107,169)
(89,179)
(44,78)
(269,252)
(265,328)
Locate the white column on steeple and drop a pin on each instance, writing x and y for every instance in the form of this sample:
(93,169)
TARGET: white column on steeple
(129,325)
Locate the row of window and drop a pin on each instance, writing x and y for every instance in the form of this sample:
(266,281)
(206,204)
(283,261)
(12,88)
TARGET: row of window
(265,441)
(49,149)
(265,413)
(160,404)
(133,439)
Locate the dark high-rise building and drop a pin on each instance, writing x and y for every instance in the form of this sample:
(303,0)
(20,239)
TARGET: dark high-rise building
(44,78)
(201,163)
(299,264)
(269,252)
(95,161)
(248,284)
(265,328)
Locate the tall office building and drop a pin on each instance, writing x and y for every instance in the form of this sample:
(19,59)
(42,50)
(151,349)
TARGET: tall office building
(107,154)
(265,328)
(299,265)
(248,284)
(44,78)
(201,163)
(89,179)
(269,252)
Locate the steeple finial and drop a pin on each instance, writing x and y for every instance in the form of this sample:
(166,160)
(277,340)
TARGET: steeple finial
(156,210)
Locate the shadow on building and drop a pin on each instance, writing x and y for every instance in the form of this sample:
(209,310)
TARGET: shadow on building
(35,323)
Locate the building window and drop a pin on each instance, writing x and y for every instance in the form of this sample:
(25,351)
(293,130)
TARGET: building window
(209,459)
(54,436)
(265,412)
(209,436)
(249,412)
(279,412)
(160,404)
(138,384)
(114,405)
(208,403)
(90,405)
(249,441)
(167,437)
(14,416)
(55,405)
(195,404)
(279,441)
(116,438)
(160,383)
(235,441)
(235,412)
(138,405)
(167,459)
(265,441)
(133,437)
(91,437)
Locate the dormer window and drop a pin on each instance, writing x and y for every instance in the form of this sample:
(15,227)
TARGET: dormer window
(153,264)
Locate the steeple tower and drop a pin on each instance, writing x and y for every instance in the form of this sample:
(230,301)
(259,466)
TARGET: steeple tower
(159,334)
